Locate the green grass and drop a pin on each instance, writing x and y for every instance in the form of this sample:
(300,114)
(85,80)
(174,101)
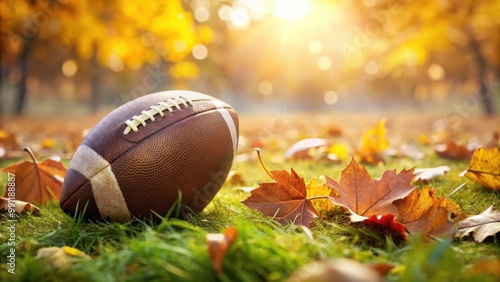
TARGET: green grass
(176,250)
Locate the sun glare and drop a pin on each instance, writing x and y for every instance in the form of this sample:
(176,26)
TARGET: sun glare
(291,9)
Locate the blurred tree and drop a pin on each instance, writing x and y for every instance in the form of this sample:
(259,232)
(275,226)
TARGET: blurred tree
(115,34)
(429,41)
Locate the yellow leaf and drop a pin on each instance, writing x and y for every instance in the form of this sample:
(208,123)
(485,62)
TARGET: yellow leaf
(339,150)
(373,143)
(314,189)
(484,167)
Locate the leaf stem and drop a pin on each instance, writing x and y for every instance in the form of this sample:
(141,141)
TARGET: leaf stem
(317,198)
(262,163)
(35,163)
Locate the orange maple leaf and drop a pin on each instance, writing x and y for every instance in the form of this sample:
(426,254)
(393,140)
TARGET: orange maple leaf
(285,200)
(423,212)
(364,196)
(35,182)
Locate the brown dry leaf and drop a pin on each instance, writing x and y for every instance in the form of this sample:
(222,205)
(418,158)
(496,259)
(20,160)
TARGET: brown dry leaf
(482,225)
(382,268)
(16,206)
(285,200)
(235,178)
(423,212)
(60,257)
(365,196)
(487,266)
(336,269)
(218,244)
(484,168)
(37,182)
(314,189)
(453,151)
(373,144)
(8,144)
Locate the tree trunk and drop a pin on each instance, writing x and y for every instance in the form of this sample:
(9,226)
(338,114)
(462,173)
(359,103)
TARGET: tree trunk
(486,96)
(22,85)
(95,80)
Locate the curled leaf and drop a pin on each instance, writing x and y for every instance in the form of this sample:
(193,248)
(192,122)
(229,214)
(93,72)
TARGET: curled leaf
(299,150)
(15,206)
(423,175)
(482,225)
(218,244)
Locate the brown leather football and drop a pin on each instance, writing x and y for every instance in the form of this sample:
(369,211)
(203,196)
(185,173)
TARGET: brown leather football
(144,155)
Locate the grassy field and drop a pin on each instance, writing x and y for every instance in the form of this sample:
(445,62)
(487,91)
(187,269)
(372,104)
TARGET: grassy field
(176,250)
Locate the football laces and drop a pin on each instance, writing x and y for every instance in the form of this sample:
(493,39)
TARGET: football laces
(170,105)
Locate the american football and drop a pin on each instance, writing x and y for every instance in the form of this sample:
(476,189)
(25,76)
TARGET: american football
(149,154)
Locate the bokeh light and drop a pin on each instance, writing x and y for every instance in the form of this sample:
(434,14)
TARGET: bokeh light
(371,68)
(69,68)
(324,63)
(265,87)
(291,9)
(200,52)
(331,97)
(436,72)
(315,47)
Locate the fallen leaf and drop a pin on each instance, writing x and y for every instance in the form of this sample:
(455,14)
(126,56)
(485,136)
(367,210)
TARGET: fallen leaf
(337,269)
(337,152)
(314,189)
(423,175)
(60,257)
(482,225)
(15,206)
(484,168)
(48,143)
(235,178)
(285,200)
(487,266)
(218,244)
(333,131)
(423,212)
(299,150)
(36,182)
(365,196)
(495,140)
(382,268)
(453,151)
(373,144)
(387,220)
(410,151)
